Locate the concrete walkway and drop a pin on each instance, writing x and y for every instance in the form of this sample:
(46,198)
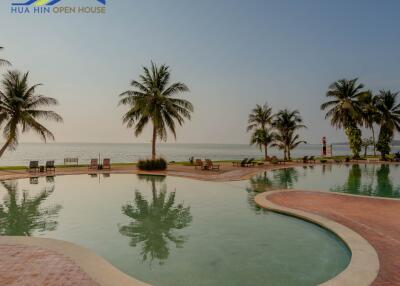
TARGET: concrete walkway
(377,220)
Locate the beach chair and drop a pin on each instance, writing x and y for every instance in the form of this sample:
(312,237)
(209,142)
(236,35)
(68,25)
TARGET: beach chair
(94,164)
(211,166)
(238,164)
(250,162)
(107,164)
(33,166)
(198,163)
(244,162)
(50,166)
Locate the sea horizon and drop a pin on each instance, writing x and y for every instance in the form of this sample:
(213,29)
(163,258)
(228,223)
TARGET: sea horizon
(132,152)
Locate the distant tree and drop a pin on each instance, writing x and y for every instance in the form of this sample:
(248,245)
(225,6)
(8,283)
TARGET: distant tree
(259,121)
(286,123)
(4,62)
(370,113)
(345,110)
(20,109)
(153,101)
(389,119)
(262,138)
(366,142)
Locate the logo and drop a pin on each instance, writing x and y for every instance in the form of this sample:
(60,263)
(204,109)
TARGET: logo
(53,6)
(46,2)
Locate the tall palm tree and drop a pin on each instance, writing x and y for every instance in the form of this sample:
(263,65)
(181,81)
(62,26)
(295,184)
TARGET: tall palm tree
(259,120)
(4,62)
(153,101)
(389,118)
(345,110)
(20,109)
(22,215)
(155,223)
(286,123)
(370,113)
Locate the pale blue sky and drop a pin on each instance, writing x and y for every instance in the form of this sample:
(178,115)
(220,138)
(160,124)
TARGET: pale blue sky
(232,55)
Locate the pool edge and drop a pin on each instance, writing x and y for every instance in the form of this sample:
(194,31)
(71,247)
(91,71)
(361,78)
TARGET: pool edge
(364,264)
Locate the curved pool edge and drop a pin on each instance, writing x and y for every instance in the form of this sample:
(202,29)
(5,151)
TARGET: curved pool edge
(98,268)
(364,263)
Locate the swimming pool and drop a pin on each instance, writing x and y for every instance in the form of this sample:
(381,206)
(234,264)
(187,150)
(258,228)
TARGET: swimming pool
(379,180)
(173,231)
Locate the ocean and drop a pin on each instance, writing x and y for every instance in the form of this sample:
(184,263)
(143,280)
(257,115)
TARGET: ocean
(126,153)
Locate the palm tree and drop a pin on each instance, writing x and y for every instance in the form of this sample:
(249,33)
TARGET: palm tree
(22,216)
(345,110)
(286,123)
(4,62)
(365,143)
(370,113)
(153,101)
(389,118)
(262,138)
(259,120)
(155,222)
(20,109)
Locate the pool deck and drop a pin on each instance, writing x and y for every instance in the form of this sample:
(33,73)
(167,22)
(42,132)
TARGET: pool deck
(25,261)
(375,219)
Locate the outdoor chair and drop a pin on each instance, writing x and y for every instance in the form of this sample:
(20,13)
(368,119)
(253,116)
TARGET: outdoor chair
(33,166)
(107,164)
(50,166)
(198,163)
(250,162)
(211,166)
(238,164)
(244,162)
(94,164)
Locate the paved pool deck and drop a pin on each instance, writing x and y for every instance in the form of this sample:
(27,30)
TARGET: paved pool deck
(375,219)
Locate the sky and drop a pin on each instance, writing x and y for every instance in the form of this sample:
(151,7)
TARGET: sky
(231,54)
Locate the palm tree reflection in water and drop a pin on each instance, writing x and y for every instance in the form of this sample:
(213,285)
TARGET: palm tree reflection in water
(280,179)
(155,222)
(22,216)
(355,185)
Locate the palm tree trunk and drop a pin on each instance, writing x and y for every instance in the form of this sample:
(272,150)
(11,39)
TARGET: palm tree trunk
(373,138)
(3,149)
(153,143)
(266,152)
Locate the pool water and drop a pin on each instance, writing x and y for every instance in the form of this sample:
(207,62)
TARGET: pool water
(358,179)
(171,231)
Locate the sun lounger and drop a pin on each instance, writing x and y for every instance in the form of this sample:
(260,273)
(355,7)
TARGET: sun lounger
(198,163)
(33,166)
(211,166)
(94,164)
(107,164)
(250,162)
(50,166)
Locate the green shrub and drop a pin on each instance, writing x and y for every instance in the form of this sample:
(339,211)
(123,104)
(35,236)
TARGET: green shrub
(323,161)
(151,165)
